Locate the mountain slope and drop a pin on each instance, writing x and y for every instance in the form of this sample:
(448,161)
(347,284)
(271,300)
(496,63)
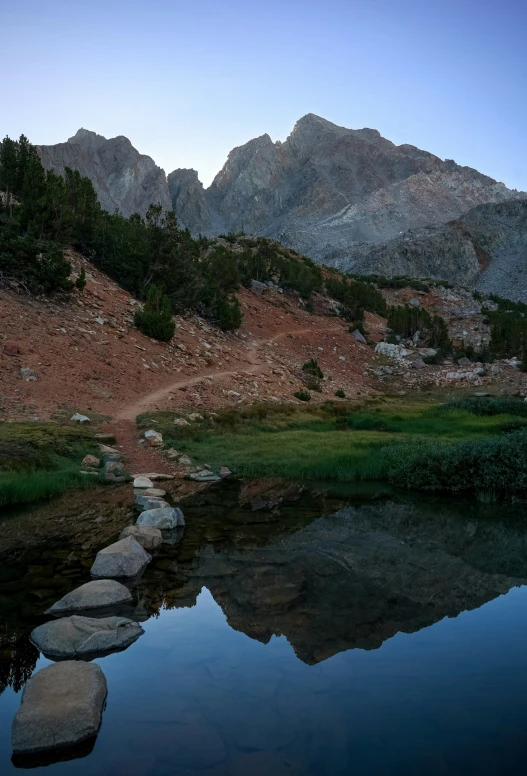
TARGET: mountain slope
(123,178)
(328,188)
(484,248)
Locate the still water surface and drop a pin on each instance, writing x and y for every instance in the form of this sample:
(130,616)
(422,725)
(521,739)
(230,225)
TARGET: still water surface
(332,638)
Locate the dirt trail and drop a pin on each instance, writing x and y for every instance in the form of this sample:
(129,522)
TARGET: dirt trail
(139,458)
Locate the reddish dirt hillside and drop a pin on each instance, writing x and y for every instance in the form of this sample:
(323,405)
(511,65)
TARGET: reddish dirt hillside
(86,355)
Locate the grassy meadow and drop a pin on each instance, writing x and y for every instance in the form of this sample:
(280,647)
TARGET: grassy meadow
(39,460)
(380,439)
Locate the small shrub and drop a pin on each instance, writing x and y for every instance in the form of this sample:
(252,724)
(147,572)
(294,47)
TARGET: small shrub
(80,283)
(312,383)
(302,395)
(155,320)
(340,394)
(313,368)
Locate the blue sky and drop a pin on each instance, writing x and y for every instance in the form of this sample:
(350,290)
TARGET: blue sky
(188,81)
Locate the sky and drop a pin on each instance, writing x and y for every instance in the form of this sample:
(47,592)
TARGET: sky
(188,81)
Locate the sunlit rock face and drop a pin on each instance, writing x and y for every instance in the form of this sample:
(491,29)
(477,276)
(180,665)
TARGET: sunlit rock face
(327,189)
(123,179)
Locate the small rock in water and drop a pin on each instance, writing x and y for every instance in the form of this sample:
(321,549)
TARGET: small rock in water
(61,705)
(150,502)
(153,492)
(78,636)
(147,536)
(164,519)
(124,558)
(92,595)
(143,482)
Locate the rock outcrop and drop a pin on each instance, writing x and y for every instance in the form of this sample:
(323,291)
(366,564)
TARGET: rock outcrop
(123,178)
(485,248)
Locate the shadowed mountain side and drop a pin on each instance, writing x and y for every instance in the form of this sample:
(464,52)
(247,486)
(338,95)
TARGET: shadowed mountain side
(486,248)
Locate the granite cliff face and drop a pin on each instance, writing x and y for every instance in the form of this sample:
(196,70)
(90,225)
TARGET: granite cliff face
(327,189)
(123,178)
(485,248)
(348,198)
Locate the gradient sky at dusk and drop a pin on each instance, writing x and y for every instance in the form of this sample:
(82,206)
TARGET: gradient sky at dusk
(188,81)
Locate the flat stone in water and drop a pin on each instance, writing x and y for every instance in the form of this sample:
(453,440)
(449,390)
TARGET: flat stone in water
(150,502)
(143,482)
(92,595)
(150,492)
(147,536)
(78,636)
(165,519)
(61,705)
(124,558)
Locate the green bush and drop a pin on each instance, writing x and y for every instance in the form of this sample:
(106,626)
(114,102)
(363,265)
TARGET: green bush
(302,395)
(312,366)
(340,394)
(155,319)
(313,383)
(355,297)
(487,405)
(493,467)
(407,320)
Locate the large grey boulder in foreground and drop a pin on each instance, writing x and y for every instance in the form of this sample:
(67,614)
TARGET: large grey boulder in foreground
(78,636)
(162,518)
(124,558)
(61,705)
(92,595)
(147,536)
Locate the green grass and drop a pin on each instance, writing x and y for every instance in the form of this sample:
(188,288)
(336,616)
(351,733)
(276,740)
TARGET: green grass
(40,460)
(336,441)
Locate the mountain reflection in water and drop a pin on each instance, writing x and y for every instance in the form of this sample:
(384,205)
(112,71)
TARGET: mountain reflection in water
(195,695)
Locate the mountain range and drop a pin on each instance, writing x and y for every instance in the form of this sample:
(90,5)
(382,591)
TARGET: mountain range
(348,198)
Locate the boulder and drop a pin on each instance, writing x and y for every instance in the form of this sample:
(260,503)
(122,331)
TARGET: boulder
(185,461)
(112,457)
(147,536)
(116,467)
(359,336)
(464,361)
(204,476)
(78,418)
(195,416)
(78,636)
(393,351)
(124,558)
(150,502)
(90,460)
(164,519)
(143,482)
(28,375)
(258,287)
(153,492)
(153,438)
(417,364)
(415,302)
(181,422)
(92,595)
(61,705)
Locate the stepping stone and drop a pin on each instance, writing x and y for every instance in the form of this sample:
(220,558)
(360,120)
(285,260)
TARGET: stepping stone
(92,595)
(152,502)
(162,518)
(143,482)
(61,705)
(204,477)
(124,558)
(147,536)
(77,636)
(151,492)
